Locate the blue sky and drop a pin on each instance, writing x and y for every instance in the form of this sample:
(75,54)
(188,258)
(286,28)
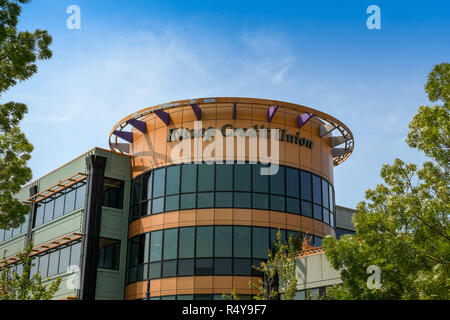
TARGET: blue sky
(133,54)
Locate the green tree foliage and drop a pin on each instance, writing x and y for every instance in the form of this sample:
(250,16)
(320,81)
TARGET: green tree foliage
(15,286)
(280,264)
(403,228)
(18,54)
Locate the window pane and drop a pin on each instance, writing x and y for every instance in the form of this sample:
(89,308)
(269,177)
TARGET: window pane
(205,177)
(224,177)
(224,199)
(260,182)
(81,194)
(53,263)
(34,266)
(64,260)
(260,242)
(242,200)
(43,265)
(187,237)
(173,180)
(223,266)
(293,205)
(2,234)
(204,242)
(203,267)
(158,182)
(70,201)
(292,183)
(306,185)
(317,193)
(317,241)
(39,218)
(156,245)
(59,207)
(242,242)
(170,243)
(189,178)
(330,191)
(223,241)
(325,194)
(326,216)
(260,201)
(75,253)
(155,270)
(205,200)
(332,220)
(147,186)
(317,212)
(157,205)
(306,209)
(136,187)
(276,203)
(169,268)
(277,182)
(242,267)
(242,177)
(109,256)
(186,267)
(187,201)
(172,203)
(113,193)
(49,206)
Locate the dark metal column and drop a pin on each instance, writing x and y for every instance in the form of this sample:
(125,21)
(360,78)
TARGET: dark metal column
(91,226)
(31,215)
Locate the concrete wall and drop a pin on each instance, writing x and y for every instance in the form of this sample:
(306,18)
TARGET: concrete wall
(315,271)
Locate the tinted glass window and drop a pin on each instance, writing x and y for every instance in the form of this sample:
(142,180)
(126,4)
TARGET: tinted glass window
(173,180)
(43,265)
(205,200)
(75,254)
(277,182)
(277,203)
(188,201)
(156,246)
(49,206)
(293,205)
(64,260)
(172,203)
(204,242)
(242,242)
(317,212)
(260,182)
(70,201)
(186,267)
(205,177)
(242,177)
(169,268)
(159,181)
(59,207)
(155,270)
(224,199)
(203,267)
(292,182)
(170,243)
(53,263)
(136,190)
(81,193)
(147,186)
(242,267)
(39,219)
(306,209)
(325,194)
(242,199)
(223,266)
(317,193)
(189,178)
(158,205)
(260,242)
(260,201)
(223,240)
(306,185)
(224,177)
(187,237)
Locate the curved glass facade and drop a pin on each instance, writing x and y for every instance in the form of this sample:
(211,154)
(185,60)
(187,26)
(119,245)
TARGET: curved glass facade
(198,186)
(201,251)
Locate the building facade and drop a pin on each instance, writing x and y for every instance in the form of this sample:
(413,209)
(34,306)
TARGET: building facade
(179,208)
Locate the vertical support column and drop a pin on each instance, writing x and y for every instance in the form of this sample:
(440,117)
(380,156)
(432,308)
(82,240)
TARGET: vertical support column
(91,226)
(31,216)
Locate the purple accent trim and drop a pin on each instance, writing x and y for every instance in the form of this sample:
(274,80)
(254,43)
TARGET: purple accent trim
(197,111)
(164,116)
(125,135)
(138,124)
(304,118)
(234,110)
(271,113)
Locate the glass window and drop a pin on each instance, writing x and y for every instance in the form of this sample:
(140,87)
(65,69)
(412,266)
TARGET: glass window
(260,182)
(223,241)
(306,185)
(187,237)
(317,193)
(224,177)
(260,201)
(169,268)
(185,297)
(113,193)
(75,254)
(331,193)
(155,270)
(205,177)
(70,201)
(186,267)
(136,187)
(159,182)
(59,207)
(243,267)
(53,263)
(204,242)
(34,266)
(317,241)
(205,200)
(317,212)
(187,201)
(172,203)
(292,183)
(273,236)
(147,186)
(224,199)
(43,265)
(173,180)
(325,194)
(242,242)
(2,234)
(157,205)
(326,216)
(277,182)
(293,205)
(260,242)
(242,200)
(242,177)
(203,267)
(156,245)
(332,219)
(223,266)
(276,203)
(189,178)
(81,194)
(306,209)
(48,216)
(64,260)
(170,243)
